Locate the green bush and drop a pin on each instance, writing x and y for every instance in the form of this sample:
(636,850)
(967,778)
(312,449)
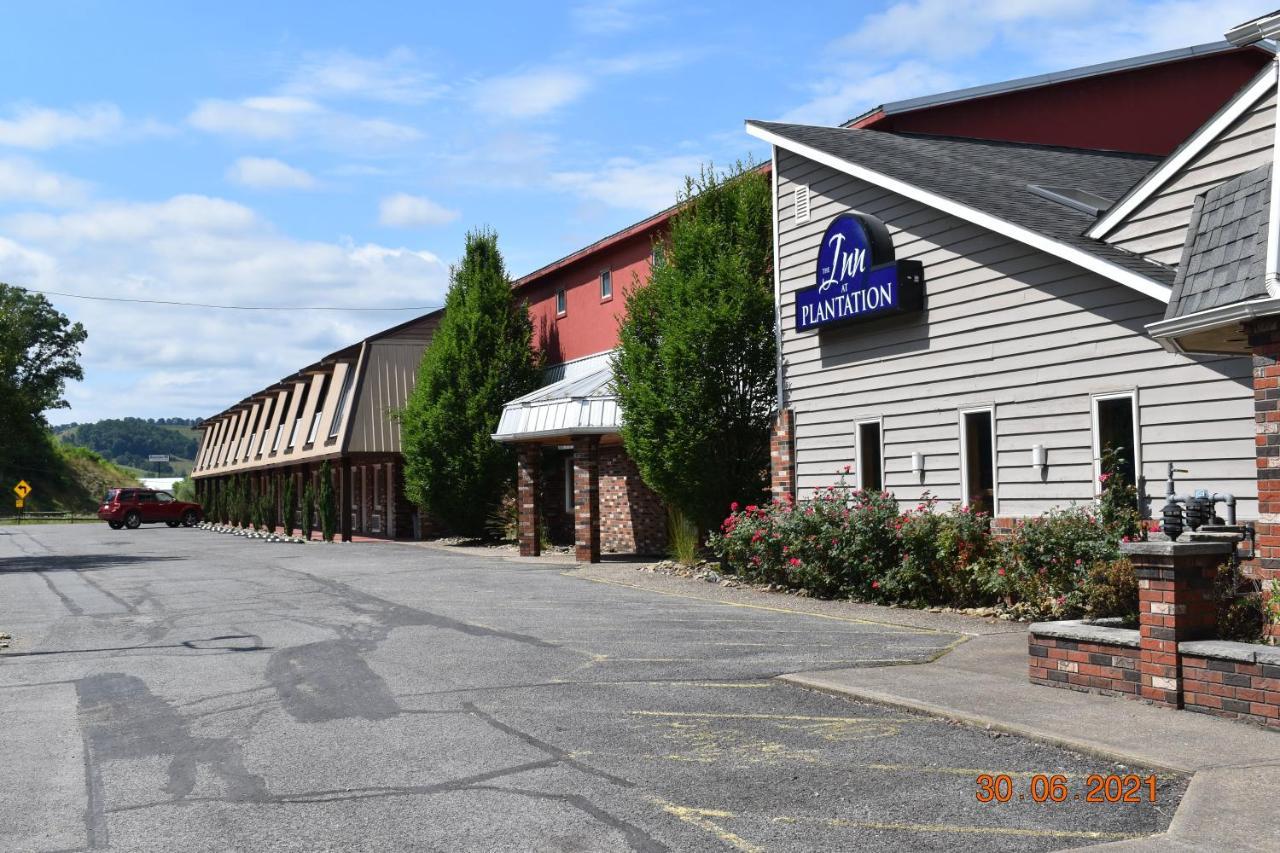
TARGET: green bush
(308,508)
(942,556)
(324,503)
(682,538)
(1242,607)
(1111,591)
(288,504)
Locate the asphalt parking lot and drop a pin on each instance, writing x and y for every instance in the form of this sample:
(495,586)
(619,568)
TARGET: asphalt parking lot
(182,690)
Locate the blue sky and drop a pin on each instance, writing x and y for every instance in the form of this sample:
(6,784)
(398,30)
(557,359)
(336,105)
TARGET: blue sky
(279,154)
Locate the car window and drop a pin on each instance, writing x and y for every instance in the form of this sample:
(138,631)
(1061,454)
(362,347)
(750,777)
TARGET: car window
(127,495)
(146,497)
(111,493)
(164,497)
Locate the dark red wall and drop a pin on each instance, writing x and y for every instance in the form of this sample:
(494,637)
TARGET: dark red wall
(1145,111)
(590,325)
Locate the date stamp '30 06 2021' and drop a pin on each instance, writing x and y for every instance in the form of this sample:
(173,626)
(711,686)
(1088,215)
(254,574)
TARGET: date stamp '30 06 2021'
(1056,788)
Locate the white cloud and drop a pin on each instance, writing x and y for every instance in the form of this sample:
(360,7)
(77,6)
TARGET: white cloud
(43,127)
(837,98)
(405,211)
(23,180)
(529,94)
(284,118)
(605,17)
(632,185)
(269,173)
(208,250)
(394,78)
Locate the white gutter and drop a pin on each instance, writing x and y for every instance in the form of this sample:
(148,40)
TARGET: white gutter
(777,290)
(1166,331)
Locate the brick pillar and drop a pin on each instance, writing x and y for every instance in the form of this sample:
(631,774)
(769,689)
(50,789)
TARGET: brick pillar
(344,500)
(782,464)
(389,520)
(528,467)
(1264,339)
(586,498)
(1175,604)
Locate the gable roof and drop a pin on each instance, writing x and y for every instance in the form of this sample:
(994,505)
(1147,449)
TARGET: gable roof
(1224,258)
(1261,86)
(985,182)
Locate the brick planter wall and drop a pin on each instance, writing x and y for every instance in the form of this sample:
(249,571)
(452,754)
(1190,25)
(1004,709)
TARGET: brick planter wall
(1084,657)
(1236,680)
(782,464)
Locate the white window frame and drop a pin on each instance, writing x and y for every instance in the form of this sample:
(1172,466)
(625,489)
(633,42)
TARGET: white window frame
(562,302)
(1094,399)
(340,411)
(857,451)
(275,445)
(293,433)
(568,484)
(315,427)
(248,451)
(989,408)
(606,275)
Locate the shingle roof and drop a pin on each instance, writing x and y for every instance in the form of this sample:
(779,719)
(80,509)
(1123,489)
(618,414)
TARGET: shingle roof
(992,177)
(1224,257)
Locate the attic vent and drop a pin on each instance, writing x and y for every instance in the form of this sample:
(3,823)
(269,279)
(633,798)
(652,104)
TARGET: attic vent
(1074,198)
(802,203)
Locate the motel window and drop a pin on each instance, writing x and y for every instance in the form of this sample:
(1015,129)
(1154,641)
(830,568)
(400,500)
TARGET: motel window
(293,433)
(562,306)
(1115,437)
(606,285)
(315,427)
(266,426)
(978,459)
(658,258)
(248,450)
(568,484)
(342,402)
(275,445)
(870,457)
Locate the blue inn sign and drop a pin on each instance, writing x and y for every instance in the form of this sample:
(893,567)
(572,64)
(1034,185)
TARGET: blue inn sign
(857,276)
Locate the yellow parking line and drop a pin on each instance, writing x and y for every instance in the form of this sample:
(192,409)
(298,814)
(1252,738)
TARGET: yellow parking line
(701,818)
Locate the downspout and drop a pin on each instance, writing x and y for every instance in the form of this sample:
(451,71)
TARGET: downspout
(777,288)
(1272,278)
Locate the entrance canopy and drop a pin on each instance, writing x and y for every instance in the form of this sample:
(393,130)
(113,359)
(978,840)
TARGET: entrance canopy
(579,400)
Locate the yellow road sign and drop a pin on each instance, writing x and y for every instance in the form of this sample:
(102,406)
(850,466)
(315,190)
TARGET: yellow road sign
(18,503)
(22,489)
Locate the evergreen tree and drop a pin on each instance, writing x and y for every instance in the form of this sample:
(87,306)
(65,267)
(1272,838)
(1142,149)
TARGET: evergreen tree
(695,372)
(325,503)
(288,499)
(308,508)
(479,359)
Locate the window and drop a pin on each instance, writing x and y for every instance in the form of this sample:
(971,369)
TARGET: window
(606,285)
(275,444)
(977,459)
(658,258)
(1115,438)
(562,306)
(266,425)
(293,434)
(315,427)
(164,497)
(338,411)
(870,457)
(568,484)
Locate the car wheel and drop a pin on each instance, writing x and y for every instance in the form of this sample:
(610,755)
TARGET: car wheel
(115,525)
(133,520)
(189,518)
(172,523)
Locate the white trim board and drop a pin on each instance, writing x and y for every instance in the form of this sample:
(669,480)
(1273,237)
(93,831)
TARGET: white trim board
(1263,84)
(1079,257)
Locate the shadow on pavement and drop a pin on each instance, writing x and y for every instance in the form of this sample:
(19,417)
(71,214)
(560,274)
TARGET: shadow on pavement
(75,563)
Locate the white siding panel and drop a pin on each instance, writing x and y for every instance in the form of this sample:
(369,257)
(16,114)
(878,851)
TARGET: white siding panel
(1157,228)
(1005,325)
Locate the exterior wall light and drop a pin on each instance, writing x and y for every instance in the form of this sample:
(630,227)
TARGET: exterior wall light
(917,465)
(1037,456)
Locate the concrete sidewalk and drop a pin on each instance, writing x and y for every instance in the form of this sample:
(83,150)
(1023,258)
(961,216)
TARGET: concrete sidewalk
(1235,767)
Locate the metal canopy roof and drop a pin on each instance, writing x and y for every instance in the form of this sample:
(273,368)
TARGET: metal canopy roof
(580,400)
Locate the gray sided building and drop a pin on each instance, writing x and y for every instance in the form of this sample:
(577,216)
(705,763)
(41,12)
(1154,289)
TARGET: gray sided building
(340,410)
(1030,353)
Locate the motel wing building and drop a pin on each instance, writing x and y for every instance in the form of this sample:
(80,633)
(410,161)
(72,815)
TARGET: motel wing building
(971,315)
(339,410)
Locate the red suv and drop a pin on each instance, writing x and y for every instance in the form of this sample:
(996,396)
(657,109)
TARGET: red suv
(132,507)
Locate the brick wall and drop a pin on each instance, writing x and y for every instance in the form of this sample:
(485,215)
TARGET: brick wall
(782,458)
(1090,667)
(1264,339)
(1236,689)
(632,517)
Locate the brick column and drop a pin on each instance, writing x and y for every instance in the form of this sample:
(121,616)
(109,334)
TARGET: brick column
(586,498)
(1264,339)
(528,467)
(782,465)
(1175,604)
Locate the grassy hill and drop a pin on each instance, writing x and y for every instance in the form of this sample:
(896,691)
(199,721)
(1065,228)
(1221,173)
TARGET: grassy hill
(68,478)
(129,441)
